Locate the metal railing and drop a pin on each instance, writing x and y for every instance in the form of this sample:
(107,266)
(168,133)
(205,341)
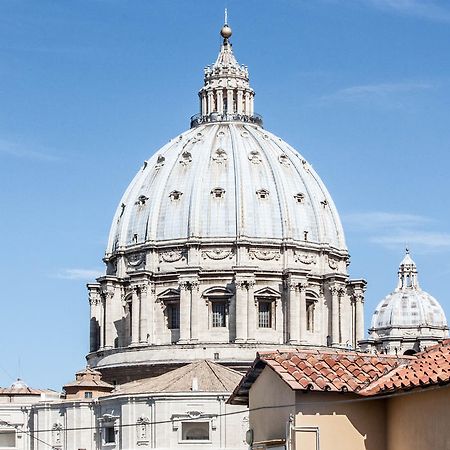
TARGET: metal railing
(198,119)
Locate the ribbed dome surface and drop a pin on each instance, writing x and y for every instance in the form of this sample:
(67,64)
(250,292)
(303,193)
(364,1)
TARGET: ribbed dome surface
(227,180)
(408,307)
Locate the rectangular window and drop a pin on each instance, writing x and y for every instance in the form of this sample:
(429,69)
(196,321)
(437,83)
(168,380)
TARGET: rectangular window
(310,316)
(110,435)
(195,431)
(8,438)
(88,394)
(173,316)
(265,314)
(219,314)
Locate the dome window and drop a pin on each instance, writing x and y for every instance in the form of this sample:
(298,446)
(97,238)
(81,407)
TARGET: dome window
(141,200)
(186,158)
(160,162)
(300,197)
(305,235)
(218,192)
(175,195)
(324,203)
(220,156)
(284,160)
(262,193)
(254,157)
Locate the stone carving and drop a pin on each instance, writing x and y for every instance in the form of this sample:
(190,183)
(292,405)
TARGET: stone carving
(194,414)
(142,430)
(135,260)
(245,134)
(254,157)
(265,255)
(186,158)
(218,254)
(220,156)
(189,285)
(305,258)
(57,430)
(175,195)
(332,263)
(171,256)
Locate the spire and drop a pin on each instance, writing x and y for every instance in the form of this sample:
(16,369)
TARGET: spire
(407,273)
(226,94)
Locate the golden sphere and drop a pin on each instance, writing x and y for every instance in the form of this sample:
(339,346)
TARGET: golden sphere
(226,32)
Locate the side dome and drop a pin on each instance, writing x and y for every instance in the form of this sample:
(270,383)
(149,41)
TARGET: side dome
(409,317)
(226,181)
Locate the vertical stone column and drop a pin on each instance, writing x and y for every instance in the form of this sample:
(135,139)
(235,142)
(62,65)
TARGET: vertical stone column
(251,106)
(108,298)
(204,105)
(135,308)
(251,315)
(95,317)
(230,101)
(337,293)
(359,317)
(241,310)
(294,313)
(195,300)
(150,311)
(210,102)
(143,313)
(185,311)
(302,310)
(220,101)
(247,103)
(240,102)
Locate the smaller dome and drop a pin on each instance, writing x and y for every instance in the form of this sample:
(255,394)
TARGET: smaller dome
(408,306)
(19,384)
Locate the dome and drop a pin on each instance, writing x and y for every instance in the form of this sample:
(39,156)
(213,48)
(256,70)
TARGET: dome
(226,239)
(227,181)
(409,316)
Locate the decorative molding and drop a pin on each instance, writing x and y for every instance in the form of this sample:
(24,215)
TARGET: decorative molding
(218,254)
(265,255)
(332,263)
(171,256)
(305,258)
(135,260)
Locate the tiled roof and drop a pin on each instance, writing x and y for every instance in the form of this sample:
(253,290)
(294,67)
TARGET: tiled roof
(209,377)
(342,371)
(330,370)
(429,368)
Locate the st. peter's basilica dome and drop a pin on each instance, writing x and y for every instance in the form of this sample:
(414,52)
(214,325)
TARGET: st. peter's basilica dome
(226,239)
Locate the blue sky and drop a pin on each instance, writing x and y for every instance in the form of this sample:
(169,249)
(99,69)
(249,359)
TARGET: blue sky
(89,89)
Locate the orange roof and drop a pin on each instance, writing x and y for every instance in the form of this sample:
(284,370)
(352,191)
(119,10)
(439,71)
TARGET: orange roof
(343,371)
(428,368)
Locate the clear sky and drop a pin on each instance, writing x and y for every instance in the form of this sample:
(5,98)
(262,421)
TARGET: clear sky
(89,89)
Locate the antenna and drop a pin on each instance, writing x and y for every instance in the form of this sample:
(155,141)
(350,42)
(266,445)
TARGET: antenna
(226,16)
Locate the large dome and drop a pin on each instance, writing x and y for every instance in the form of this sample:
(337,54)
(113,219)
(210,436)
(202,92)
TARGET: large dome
(226,181)
(225,241)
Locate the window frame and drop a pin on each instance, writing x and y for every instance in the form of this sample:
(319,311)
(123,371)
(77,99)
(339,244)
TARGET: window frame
(195,441)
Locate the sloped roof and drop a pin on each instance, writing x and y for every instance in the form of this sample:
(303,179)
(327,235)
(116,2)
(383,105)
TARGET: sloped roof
(88,378)
(210,377)
(429,368)
(360,373)
(19,387)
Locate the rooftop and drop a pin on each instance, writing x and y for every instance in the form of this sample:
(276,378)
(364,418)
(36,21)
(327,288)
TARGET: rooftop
(355,372)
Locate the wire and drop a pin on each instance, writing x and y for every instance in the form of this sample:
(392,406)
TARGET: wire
(16,427)
(232,413)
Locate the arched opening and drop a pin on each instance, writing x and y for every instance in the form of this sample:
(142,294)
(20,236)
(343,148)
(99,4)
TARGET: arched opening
(410,352)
